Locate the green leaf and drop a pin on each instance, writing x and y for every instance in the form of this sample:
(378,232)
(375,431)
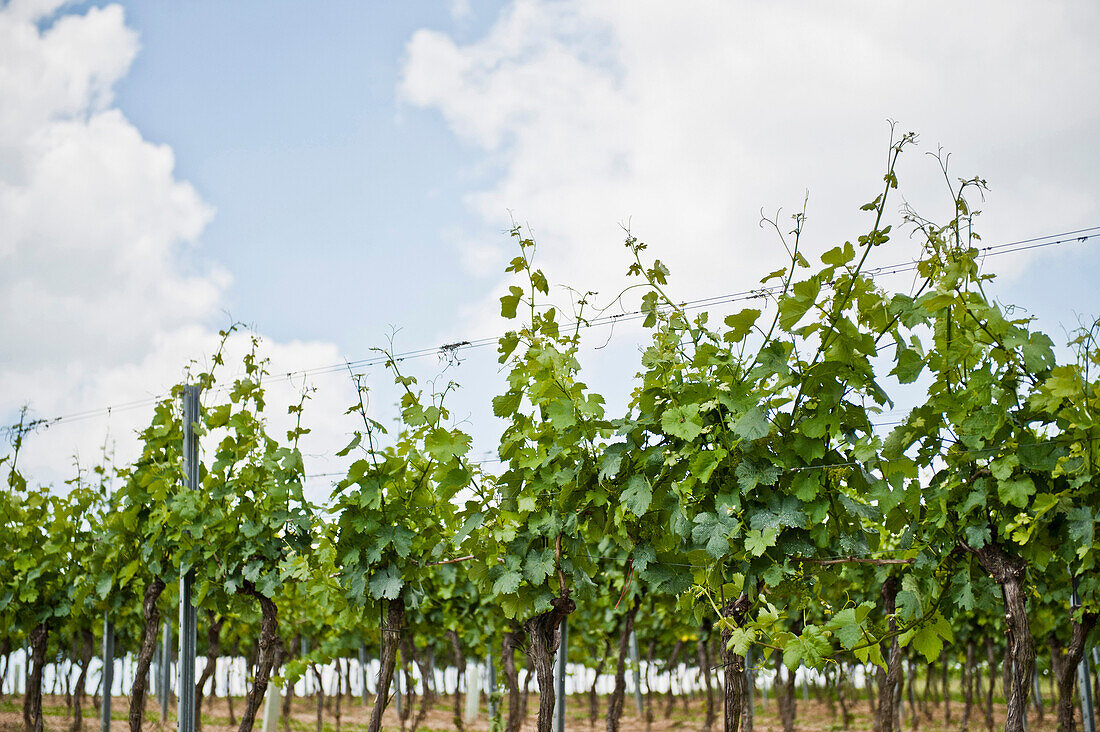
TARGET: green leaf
(1015,492)
(643,555)
(839,255)
(928,638)
(753,424)
(611,461)
(1038,352)
(909,598)
(444,445)
(713,533)
(682,421)
(507,583)
(740,324)
(741,640)
(507,403)
(351,445)
(103,586)
(386,584)
(792,307)
(977,536)
(848,625)
(509,302)
(810,648)
(757,541)
(539,565)
(472,522)
(910,363)
(637,495)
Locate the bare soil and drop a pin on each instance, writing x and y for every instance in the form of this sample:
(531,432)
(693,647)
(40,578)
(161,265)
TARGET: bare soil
(813,716)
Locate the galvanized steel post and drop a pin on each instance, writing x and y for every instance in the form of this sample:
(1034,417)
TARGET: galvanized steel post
(185,716)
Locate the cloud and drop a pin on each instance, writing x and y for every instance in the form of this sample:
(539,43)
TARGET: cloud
(105,299)
(686,119)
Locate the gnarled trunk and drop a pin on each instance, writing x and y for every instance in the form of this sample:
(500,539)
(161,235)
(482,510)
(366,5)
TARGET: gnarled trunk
(523,697)
(946,684)
(460,666)
(145,654)
(968,686)
(391,639)
(991,663)
(270,652)
(87,642)
(842,696)
(677,649)
(733,665)
(511,681)
(784,694)
(702,652)
(615,702)
(1066,670)
(886,714)
(39,638)
(544,636)
(5,660)
(593,698)
(213,647)
(914,713)
(320,696)
(651,653)
(427,695)
(1009,571)
(288,697)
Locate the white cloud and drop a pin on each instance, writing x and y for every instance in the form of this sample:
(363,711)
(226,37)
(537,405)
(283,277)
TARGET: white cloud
(688,118)
(103,299)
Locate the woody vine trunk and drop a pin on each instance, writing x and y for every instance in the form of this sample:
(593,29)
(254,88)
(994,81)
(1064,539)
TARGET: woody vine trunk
(32,700)
(677,649)
(702,651)
(593,699)
(460,666)
(145,654)
(270,649)
(784,694)
(391,637)
(320,696)
(86,649)
(650,655)
(968,686)
(544,636)
(5,658)
(885,715)
(991,663)
(1066,670)
(213,647)
(615,703)
(288,697)
(733,664)
(1009,571)
(511,680)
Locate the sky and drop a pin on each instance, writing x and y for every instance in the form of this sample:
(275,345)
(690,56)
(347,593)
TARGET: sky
(342,175)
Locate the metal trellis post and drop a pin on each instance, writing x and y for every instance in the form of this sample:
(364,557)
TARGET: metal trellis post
(363,671)
(637,673)
(559,678)
(185,716)
(1084,679)
(108,674)
(492,682)
(164,683)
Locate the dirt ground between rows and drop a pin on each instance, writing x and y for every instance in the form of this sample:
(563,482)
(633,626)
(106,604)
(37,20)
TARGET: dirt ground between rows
(813,716)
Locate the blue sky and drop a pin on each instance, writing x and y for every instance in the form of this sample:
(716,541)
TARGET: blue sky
(329,171)
(286,119)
